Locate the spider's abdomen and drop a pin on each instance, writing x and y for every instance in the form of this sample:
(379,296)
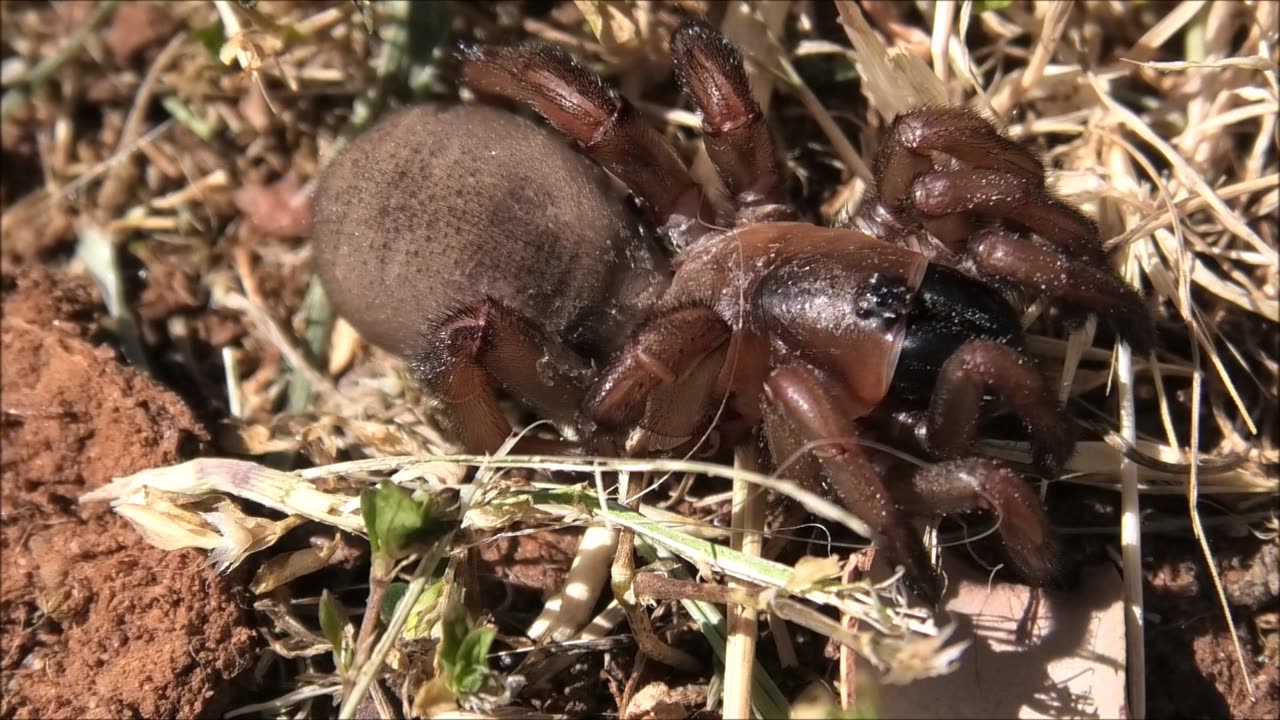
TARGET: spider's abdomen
(434,210)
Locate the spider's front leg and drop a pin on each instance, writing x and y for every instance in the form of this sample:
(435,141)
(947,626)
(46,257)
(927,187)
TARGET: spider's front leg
(991,177)
(662,378)
(996,177)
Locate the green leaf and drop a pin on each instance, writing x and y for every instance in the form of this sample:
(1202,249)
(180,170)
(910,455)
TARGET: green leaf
(333,623)
(982,6)
(394,520)
(424,613)
(473,661)
(369,512)
(390,598)
(463,655)
(212,38)
(452,633)
(418,624)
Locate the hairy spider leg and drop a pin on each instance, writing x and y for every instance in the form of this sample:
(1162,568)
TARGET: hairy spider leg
(580,105)
(489,345)
(1004,181)
(734,130)
(957,486)
(956,406)
(1000,178)
(809,402)
(638,383)
(1077,284)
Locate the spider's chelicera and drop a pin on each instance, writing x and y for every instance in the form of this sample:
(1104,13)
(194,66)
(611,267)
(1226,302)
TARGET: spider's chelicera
(495,258)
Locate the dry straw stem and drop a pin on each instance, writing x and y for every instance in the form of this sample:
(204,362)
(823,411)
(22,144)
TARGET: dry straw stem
(1131,545)
(1190,178)
(752,30)
(1054,24)
(748,524)
(115,193)
(37,76)
(261,318)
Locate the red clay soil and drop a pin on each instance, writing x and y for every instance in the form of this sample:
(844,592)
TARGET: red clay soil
(93,621)
(1192,668)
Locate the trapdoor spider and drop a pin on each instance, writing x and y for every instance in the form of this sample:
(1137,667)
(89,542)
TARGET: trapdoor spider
(484,249)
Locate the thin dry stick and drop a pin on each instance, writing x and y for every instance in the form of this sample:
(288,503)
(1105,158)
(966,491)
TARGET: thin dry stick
(1193,501)
(278,338)
(1186,174)
(46,68)
(232,27)
(367,672)
(856,568)
(1055,22)
(623,586)
(111,187)
(1131,545)
(1147,45)
(622,575)
(839,142)
(1194,203)
(740,647)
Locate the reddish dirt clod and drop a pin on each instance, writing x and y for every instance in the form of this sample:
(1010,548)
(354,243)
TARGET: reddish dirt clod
(127,629)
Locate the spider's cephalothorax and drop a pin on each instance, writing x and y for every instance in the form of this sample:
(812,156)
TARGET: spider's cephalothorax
(491,255)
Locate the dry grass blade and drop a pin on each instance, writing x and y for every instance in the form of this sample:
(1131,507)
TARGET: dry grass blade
(261,318)
(1197,526)
(1184,172)
(740,651)
(1159,34)
(113,194)
(944,16)
(1131,545)
(1051,29)
(39,74)
(839,141)
(568,612)
(892,79)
